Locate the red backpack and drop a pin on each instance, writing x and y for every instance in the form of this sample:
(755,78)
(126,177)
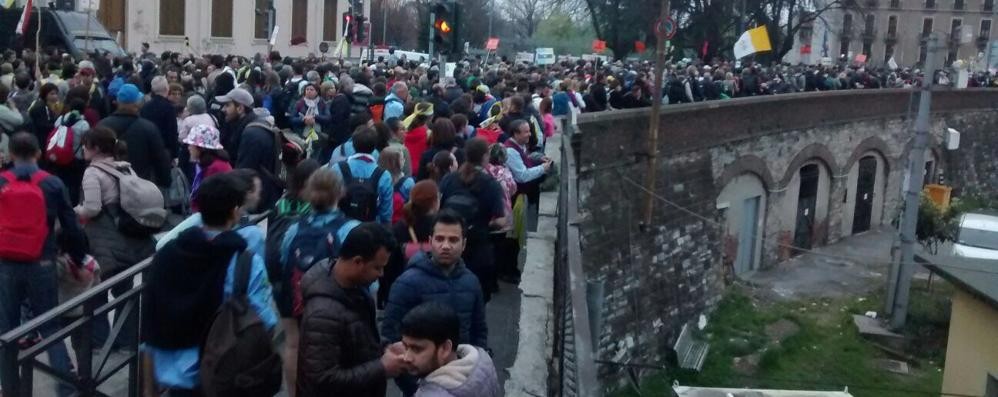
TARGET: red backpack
(59,147)
(23,217)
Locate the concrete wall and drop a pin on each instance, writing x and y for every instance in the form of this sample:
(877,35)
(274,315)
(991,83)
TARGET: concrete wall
(143,26)
(971,353)
(658,276)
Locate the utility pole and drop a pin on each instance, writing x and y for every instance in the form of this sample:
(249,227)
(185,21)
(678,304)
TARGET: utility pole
(433,18)
(656,109)
(912,196)
(384,22)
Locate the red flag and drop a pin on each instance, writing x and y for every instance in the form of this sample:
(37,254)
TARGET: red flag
(639,46)
(703,51)
(22,25)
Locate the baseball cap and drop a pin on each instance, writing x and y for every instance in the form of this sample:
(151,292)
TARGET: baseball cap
(237,95)
(129,93)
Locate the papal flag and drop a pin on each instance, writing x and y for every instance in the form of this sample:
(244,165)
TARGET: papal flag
(752,41)
(6,3)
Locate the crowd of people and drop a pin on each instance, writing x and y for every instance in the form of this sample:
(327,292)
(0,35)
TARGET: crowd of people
(396,199)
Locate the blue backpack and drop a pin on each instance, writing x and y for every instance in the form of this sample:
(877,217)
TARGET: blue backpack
(312,244)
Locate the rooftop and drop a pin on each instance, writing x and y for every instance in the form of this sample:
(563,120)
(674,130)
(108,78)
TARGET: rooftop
(976,276)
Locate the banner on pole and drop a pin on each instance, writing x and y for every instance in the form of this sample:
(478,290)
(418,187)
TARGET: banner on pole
(273,36)
(527,57)
(492,44)
(545,56)
(599,46)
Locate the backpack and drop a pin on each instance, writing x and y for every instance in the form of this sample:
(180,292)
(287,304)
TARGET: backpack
(311,245)
(361,199)
(59,145)
(280,148)
(23,217)
(237,358)
(464,203)
(378,109)
(140,211)
(179,194)
(398,201)
(285,214)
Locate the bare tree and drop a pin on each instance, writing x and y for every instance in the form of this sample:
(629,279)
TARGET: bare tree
(526,15)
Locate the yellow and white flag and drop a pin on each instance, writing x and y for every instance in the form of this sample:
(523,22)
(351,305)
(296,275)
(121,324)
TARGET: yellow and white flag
(7,3)
(752,41)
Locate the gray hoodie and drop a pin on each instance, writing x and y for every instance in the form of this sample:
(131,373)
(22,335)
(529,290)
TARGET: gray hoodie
(9,121)
(472,374)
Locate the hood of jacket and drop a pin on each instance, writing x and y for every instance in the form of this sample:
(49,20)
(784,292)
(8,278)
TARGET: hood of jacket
(472,374)
(362,89)
(424,262)
(9,118)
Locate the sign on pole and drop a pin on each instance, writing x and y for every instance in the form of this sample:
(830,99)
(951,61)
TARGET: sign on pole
(527,57)
(545,56)
(449,69)
(492,44)
(273,36)
(599,46)
(665,28)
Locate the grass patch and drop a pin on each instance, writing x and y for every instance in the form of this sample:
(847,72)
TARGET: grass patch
(826,354)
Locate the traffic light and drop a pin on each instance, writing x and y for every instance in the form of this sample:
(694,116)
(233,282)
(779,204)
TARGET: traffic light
(445,26)
(347,19)
(361,25)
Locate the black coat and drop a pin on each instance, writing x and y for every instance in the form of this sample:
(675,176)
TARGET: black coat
(256,151)
(146,151)
(339,350)
(161,112)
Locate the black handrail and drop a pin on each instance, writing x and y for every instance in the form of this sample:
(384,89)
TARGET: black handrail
(19,365)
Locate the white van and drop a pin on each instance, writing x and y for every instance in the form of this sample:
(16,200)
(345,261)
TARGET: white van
(977,236)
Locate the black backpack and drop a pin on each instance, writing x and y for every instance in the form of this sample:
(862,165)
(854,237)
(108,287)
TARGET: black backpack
(278,222)
(464,203)
(237,358)
(361,199)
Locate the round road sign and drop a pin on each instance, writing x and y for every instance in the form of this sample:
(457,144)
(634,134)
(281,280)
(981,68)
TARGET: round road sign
(665,28)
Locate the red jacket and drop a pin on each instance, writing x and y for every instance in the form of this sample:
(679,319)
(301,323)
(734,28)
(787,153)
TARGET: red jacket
(416,142)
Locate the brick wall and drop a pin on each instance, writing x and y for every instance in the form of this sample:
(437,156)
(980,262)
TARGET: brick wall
(658,276)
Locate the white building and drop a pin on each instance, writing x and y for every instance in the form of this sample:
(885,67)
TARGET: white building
(225,26)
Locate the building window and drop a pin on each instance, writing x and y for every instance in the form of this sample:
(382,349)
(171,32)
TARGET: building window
(299,21)
(171,17)
(958,4)
(844,48)
(892,25)
(985,29)
(991,388)
(895,3)
(989,5)
(930,3)
(329,20)
(261,15)
(867,48)
(888,52)
(868,29)
(221,18)
(954,29)
(921,55)
(926,27)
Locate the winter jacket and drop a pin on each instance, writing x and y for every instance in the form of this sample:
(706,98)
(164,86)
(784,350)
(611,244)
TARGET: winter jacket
(394,107)
(472,374)
(10,119)
(424,281)
(297,116)
(42,120)
(339,350)
(339,118)
(79,125)
(190,278)
(146,151)
(160,111)
(360,98)
(416,142)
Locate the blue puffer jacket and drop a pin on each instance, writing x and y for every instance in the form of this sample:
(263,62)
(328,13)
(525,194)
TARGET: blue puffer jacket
(423,282)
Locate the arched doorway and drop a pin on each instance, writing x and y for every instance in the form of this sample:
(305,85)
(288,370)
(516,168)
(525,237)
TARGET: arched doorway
(743,200)
(810,186)
(866,183)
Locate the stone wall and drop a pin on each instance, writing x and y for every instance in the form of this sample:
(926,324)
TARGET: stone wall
(657,277)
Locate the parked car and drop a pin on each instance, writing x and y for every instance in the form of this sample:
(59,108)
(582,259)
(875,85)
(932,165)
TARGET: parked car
(68,31)
(977,236)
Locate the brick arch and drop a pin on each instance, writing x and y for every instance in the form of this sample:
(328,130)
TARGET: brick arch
(747,164)
(874,144)
(810,152)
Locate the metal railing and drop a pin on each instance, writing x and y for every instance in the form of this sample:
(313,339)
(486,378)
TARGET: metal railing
(19,365)
(574,345)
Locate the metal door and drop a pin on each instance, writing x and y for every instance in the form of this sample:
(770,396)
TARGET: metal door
(807,200)
(112,14)
(747,236)
(865,183)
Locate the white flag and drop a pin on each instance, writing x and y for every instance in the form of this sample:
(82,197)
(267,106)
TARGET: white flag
(892,63)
